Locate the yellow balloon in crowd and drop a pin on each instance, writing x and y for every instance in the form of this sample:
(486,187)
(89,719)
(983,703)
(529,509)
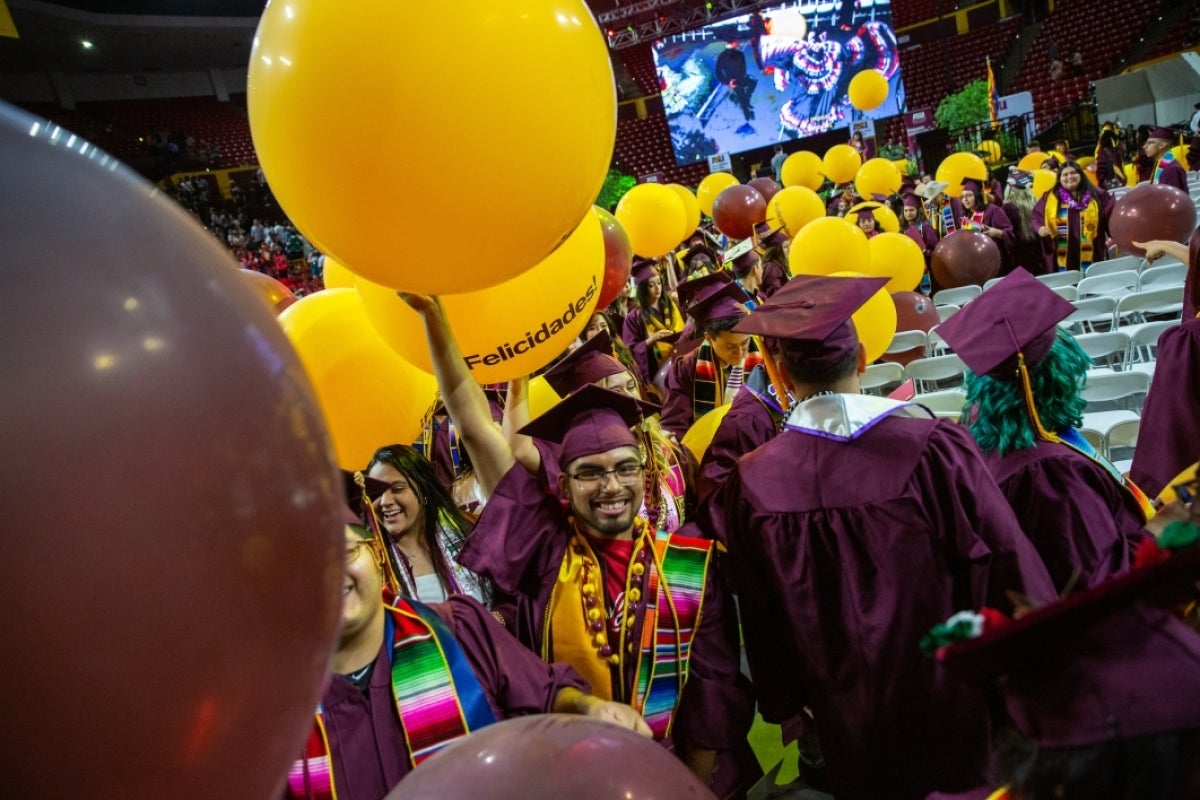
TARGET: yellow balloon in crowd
(1180,153)
(654,218)
(803,168)
(369,395)
(875,320)
(877,176)
(1043,181)
(990,150)
(1031,161)
(509,330)
(700,435)
(868,90)
(398,161)
(1090,172)
(903,166)
(542,397)
(1131,175)
(841,163)
(1085,161)
(793,208)
(690,205)
(827,245)
(898,258)
(336,276)
(958,167)
(885,219)
(711,186)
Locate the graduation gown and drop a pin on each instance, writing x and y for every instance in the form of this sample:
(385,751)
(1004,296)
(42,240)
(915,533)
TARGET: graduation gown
(1037,218)
(366,743)
(774,277)
(635,332)
(519,542)
(1073,511)
(845,554)
(1028,254)
(1169,437)
(925,237)
(1173,175)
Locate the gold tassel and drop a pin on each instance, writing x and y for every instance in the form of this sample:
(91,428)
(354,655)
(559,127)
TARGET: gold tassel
(1030,406)
(781,393)
(389,575)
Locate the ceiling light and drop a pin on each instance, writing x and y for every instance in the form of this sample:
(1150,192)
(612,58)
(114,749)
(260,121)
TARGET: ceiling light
(87,44)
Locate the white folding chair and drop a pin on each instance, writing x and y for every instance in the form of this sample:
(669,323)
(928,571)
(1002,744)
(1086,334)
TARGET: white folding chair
(1116,391)
(1068,277)
(945,312)
(1094,437)
(1068,293)
(947,404)
(1108,349)
(1121,439)
(1103,421)
(957,296)
(1089,313)
(1162,277)
(930,373)
(1155,301)
(1114,265)
(1143,341)
(906,340)
(877,377)
(1114,284)
(935,344)
(990,283)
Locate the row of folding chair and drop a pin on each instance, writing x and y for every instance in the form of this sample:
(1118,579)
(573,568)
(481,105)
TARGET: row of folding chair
(1126,263)
(1119,284)
(1108,313)
(1114,436)
(928,374)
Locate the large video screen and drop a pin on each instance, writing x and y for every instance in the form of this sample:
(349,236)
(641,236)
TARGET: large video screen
(779,73)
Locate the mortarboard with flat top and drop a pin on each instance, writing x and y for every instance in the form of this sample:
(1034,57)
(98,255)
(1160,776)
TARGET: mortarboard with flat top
(1165,134)
(744,263)
(643,270)
(591,421)
(808,319)
(689,291)
(767,236)
(911,200)
(1019,314)
(590,362)
(974,186)
(355,510)
(724,302)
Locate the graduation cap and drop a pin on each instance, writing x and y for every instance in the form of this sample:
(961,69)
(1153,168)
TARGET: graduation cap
(910,200)
(974,186)
(643,269)
(744,263)
(768,237)
(808,319)
(726,301)
(360,496)
(688,291)
(1020,178)
(928,191)
(1017,315)
(1165,134)
(698,250)
(1109,662)
(591,421)
(590,362)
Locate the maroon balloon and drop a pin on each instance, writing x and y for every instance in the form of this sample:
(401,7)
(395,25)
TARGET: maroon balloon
(551,757)
(737,210)
(767,187)
(170,577)
(618,258)
(1151,211)
(965,258)
(914,312)
(274,294)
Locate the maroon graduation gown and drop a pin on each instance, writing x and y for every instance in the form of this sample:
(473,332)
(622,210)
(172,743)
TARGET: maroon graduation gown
(678,413)
(1109,169)
(634,333)
(925,237)
(1073,511)
(366,743)
(1173,175)
(441,456)
(1169,437)
(844,555)
(1029,254)
(774,277)
(519,542)
(1037,218)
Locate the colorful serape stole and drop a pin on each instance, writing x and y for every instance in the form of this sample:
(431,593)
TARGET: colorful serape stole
(1074,439)
(707,387)
(1168,158)
(946,214)
(438,698)
(676,585)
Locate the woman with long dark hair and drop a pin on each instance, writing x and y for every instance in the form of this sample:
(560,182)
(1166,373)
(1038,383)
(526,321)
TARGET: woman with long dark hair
(1110,170)
(1073,217)
(425,528)
(651,324)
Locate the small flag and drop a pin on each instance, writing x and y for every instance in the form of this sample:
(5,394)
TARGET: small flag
(993,96)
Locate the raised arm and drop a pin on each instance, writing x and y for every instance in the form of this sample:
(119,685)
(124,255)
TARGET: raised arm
(516,416)
(465,401)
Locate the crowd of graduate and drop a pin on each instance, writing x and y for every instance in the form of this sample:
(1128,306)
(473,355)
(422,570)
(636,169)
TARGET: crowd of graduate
(930,608)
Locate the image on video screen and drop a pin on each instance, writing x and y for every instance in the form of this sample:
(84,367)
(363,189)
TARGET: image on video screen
(776,74)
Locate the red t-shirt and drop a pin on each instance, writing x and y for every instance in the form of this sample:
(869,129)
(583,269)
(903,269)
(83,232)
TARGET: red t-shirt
(614,555)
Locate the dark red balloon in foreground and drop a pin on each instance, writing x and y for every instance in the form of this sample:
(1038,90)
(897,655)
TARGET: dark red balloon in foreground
(1151,211)
(552,757)
(767,187)
(171,564)
(965,258)
(274,294)
(618,258)
(737,210)
(914,312)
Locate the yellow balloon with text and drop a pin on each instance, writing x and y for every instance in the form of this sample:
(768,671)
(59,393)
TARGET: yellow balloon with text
(877,176)
(691,207)
(827,245)
(793,208)
(898,258)
(369,395)
(510,330)
(711,186)
(397,159)
(875,320)
(868,90)
(335,276)
(803,168)
(958,167)
(841,163)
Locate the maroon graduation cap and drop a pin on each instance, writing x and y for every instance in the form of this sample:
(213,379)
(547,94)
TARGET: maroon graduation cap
(590,421)
(359,497)
(688,291)
(590,362)
(643,270)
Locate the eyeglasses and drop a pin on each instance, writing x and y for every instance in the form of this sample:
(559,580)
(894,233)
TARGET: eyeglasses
(627,474)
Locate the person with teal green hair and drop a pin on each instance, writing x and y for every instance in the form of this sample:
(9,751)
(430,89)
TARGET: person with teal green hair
(1024,410)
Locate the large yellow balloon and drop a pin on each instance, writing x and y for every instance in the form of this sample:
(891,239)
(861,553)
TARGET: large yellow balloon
(827,245)
(654,218)
(793,208)
(370,179)
(958,167)
(542,397)
(1085,161)
(700,435)
(885,219)
(1131,175)
(990,149)
(875,320)
(1031,161)
(512,329)
(898,258)
(1043,181)
(336,276)
(691,207)
(868,90)
(877,176)
(841,163)
(803,169)
(369,395)
(711,186)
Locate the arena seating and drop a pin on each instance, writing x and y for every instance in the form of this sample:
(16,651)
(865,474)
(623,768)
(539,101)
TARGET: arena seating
(224,125)
(924,65)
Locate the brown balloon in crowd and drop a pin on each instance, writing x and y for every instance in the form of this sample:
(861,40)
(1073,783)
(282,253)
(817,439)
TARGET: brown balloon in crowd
(965,258)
